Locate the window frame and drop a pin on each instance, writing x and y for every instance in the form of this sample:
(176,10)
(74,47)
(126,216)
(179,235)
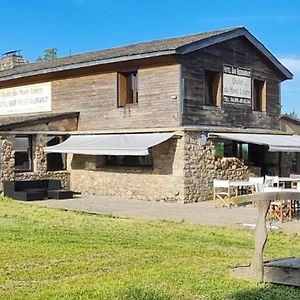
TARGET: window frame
(120,164)
(62,156)
(29,153)
(259,95)
(127,88)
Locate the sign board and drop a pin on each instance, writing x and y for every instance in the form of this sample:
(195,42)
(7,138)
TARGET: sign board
(26,99)
(236,85)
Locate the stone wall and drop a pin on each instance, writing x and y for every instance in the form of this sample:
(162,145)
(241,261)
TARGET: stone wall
(163,182)
(201,167)
(7,160)
(39,163)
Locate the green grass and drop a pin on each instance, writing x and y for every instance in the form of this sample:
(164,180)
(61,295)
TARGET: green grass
(55,254)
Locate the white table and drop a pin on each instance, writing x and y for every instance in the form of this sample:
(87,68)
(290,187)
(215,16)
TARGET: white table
(239,185)
(289,180)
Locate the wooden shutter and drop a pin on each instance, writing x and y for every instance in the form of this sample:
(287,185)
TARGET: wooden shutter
(264,97)
(122,89)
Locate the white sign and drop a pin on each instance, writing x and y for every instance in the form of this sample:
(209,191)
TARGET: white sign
(236,85)
(26,99)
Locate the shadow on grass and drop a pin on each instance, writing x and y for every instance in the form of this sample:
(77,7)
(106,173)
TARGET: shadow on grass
(268,292)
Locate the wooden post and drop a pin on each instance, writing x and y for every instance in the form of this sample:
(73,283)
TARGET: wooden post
(260,238)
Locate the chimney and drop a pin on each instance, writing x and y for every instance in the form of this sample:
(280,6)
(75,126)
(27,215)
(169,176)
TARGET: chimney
(11,60)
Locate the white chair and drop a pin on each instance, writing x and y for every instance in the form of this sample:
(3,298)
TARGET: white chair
(221,192)
(271,181)
(257,181)
(295,185)
(281,210)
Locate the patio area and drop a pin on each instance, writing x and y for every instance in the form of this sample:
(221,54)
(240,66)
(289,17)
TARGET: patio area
(197,213)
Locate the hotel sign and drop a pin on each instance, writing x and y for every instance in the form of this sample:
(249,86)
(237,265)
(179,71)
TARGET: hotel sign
(236,85)
(26,99)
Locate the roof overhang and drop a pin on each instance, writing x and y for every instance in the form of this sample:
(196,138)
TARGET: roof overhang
(275,142)
(86,64)
(110,144)
(11,123)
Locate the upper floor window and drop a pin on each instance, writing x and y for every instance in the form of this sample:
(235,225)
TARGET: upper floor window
(259,95)
(127,88)
(23,153)
(212,88)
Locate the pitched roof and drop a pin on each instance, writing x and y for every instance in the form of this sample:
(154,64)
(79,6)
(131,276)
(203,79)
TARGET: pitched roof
(291,119)
(176,45)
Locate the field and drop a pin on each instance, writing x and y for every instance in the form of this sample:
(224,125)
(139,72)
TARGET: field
(55,254)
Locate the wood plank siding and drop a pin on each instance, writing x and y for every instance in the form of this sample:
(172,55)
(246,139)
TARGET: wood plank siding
(236,52)
(96,98)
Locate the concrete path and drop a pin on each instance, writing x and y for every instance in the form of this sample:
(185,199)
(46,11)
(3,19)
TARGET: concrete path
(197,213)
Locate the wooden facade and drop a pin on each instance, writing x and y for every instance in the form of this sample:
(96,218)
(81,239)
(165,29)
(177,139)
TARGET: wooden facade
(237,52)
(95,97)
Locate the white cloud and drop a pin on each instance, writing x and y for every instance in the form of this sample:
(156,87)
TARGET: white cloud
(292,63)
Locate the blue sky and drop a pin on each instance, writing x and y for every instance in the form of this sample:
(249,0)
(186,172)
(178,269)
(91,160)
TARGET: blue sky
(75,26)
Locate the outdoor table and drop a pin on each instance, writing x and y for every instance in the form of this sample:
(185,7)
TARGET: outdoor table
(240,185)
(289,180)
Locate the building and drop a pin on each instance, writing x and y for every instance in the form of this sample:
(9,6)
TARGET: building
(144,120)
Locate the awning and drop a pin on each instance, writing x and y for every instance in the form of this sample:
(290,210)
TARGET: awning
(276,142)
(110,144)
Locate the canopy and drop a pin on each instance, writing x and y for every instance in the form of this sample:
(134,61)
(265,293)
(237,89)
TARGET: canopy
(276,142)
(110,144)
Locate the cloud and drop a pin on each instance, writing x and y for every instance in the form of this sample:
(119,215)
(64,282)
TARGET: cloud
(292,63)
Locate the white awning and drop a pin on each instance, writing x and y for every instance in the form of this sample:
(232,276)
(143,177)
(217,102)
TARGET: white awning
(110,144)
(276,142)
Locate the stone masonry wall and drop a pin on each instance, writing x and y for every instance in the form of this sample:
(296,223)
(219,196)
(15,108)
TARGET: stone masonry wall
(163,182)
(39,163)
(7,159)
(201,167)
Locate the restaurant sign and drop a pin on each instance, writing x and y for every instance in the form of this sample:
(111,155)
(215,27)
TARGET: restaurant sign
(26,99)
(236,85)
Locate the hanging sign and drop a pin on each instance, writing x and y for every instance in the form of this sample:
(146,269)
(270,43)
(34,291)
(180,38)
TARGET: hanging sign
(26,99)
(236,85)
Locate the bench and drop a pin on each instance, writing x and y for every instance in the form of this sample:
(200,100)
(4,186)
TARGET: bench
(28,190)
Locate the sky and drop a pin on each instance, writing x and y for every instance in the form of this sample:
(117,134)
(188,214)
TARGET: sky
(76,26)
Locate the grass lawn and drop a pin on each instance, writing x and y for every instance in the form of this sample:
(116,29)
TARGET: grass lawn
(54,254)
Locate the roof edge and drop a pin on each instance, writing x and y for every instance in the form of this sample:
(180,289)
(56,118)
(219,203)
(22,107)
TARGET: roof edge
(236,32)
(93,63)
(34,121)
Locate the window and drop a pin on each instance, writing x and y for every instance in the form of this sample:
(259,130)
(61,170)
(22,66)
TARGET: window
(23,153)
(130,161)
(56,161)
(212,88)
(127,88)
(259,95)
